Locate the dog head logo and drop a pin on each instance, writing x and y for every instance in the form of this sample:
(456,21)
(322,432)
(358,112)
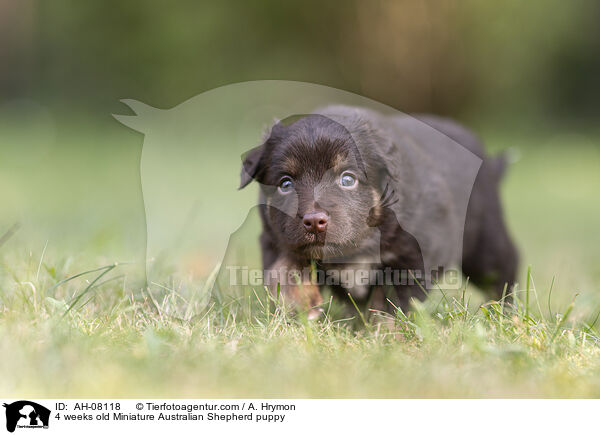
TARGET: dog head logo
(26,414)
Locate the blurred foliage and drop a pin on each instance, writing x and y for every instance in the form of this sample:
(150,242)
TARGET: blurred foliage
(467,57)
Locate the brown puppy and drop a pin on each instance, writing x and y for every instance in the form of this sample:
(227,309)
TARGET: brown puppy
(387,200)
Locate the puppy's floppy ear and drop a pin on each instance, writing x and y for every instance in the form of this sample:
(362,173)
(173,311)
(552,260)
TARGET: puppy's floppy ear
(385,175)
(379,167)
(253,162)
(251,165)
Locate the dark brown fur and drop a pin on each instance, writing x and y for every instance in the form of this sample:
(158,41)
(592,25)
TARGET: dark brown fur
(397,186)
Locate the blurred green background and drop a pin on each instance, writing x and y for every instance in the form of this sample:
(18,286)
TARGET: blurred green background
(521,74)
(462,58)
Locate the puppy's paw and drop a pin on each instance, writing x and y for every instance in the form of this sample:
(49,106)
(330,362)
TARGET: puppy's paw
(315,314)
(296,290)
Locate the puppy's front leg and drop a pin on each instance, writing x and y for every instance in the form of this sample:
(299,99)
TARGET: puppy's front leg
(297,290)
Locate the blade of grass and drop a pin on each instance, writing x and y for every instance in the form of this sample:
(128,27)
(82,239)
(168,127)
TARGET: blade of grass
(527,297)
(87,289)
(37,275)
(8,234)
(549,296)
(358,311)
(58,284)
(563,318)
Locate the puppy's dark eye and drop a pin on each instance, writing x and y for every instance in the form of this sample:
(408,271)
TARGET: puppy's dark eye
(285,185)
(348,180)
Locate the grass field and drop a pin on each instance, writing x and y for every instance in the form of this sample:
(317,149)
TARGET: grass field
(78,200)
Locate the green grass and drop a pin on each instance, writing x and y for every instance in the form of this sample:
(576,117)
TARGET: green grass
(102,335)
(129,344)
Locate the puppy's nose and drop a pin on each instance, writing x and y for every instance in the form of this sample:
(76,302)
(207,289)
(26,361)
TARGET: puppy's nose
(315,222)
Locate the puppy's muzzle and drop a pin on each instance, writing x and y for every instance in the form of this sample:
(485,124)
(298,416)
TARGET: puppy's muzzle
(315,222)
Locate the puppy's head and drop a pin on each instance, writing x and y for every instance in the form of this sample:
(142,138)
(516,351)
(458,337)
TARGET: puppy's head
(322,192)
